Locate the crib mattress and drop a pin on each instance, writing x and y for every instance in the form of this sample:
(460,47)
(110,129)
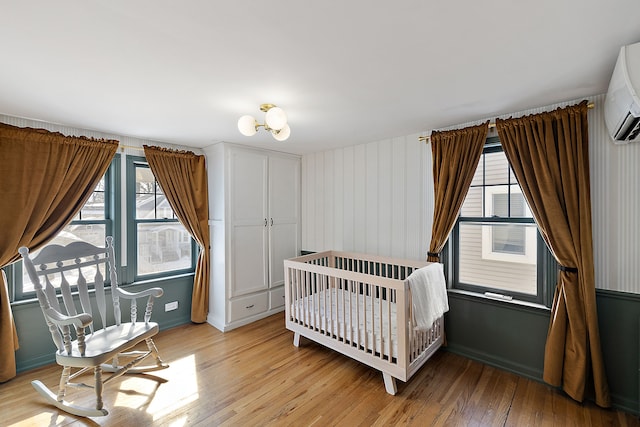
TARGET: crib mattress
(338,311)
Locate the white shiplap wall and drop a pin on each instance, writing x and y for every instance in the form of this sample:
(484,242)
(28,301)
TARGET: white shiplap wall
(375,198)
(615,190)
(378,198)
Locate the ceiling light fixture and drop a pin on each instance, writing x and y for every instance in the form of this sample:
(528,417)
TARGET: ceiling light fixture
(275,121)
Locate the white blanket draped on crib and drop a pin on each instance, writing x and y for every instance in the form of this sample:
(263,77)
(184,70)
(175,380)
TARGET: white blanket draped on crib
(428,295)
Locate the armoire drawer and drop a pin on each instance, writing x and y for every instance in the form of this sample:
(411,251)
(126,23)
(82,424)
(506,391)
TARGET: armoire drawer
(242,307)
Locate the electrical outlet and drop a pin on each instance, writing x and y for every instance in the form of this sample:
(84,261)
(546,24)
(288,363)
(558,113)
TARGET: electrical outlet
(170,306)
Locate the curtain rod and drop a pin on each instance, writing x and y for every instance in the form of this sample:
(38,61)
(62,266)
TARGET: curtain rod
(133,147)
(427,138)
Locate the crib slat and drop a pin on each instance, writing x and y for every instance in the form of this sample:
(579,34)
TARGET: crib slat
(344,312)
(357,295)
(389,328)
(380,332)
(296,297)
(371,297)
(307,303)
(323,306)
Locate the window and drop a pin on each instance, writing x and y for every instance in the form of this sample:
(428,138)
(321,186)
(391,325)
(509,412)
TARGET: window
(156,244)
(92,224)
(160,244)
(496,244)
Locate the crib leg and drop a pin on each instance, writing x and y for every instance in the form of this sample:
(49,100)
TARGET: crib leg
(296,339)
(389,383)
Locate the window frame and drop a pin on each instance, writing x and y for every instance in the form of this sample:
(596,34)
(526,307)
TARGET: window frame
(546,265)
(134,162)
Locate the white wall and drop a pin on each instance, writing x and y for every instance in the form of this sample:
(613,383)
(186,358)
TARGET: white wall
(615,192)
(373,198)
(378,198)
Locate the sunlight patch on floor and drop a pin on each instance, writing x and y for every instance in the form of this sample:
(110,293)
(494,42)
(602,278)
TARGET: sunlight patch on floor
(180,390)
(44,419)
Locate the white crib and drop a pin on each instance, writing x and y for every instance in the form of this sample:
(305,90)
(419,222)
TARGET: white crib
(359,305)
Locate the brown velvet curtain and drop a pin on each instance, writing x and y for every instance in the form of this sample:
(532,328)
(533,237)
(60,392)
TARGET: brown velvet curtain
(455,158)
(182,175)
(46,178)
(8,334)
(549,154)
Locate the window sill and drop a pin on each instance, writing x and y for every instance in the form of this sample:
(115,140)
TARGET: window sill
(513,303)
(157,280)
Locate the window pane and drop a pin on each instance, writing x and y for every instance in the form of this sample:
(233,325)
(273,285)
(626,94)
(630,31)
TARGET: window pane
(477,177)
(472,206)
(145,181)
(94,208)
(500,204)
(508,239)
(519,207)
(506,201)
(163,247)
(497,168)
(164,210)
(512,177)
(145,206)
(100,186)
(508,272)
(91,233)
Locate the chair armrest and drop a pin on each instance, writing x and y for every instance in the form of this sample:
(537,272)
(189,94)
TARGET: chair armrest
(151,292)
(81,320)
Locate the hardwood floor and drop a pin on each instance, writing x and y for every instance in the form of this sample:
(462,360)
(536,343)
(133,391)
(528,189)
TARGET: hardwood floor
(255,376)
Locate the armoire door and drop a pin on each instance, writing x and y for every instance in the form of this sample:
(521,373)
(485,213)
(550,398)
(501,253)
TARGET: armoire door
(284,194)
(249,222)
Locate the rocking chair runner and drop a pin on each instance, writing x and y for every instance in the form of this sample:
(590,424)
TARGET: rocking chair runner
(104,348)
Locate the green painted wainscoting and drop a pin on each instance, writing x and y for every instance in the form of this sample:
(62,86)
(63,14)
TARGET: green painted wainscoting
(512,338)
(37,348)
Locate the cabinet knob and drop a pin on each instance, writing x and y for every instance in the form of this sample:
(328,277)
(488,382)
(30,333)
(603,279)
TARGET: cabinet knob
(272,222)
(249,306)
(265,222)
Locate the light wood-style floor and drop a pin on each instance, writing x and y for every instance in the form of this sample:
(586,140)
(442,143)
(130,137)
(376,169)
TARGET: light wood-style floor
(254,376)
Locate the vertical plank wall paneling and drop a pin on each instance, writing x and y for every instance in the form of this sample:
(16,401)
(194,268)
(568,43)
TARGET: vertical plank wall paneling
(615,184)
(348,203)
(375,198)
(338,196)
(379,199)
(359,198)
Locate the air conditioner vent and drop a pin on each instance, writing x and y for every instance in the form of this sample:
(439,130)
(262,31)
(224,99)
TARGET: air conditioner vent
(622,105)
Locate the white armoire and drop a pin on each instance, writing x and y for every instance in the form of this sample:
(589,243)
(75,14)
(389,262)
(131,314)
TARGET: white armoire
(254,211)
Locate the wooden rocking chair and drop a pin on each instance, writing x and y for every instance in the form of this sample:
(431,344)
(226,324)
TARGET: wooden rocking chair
(105,348)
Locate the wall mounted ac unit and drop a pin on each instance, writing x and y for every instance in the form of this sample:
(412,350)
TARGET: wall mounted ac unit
(622,105)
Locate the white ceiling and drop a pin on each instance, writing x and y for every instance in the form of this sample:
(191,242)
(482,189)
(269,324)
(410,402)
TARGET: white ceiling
(346,72)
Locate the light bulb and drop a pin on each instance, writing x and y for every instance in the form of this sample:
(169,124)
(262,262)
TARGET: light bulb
(282,134)
(247,125)
(276,118)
